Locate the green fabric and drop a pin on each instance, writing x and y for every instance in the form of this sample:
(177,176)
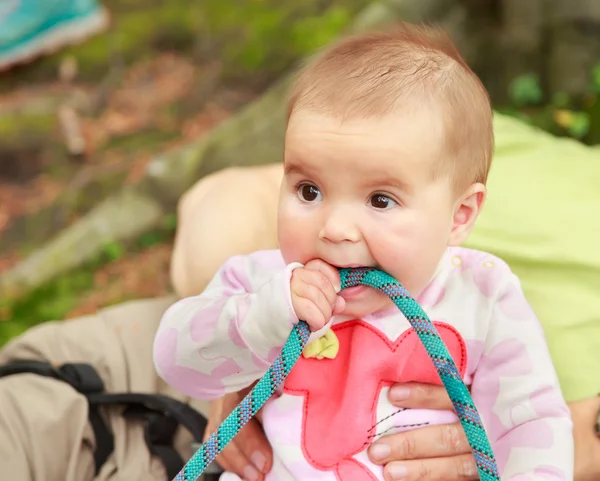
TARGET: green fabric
(542,216)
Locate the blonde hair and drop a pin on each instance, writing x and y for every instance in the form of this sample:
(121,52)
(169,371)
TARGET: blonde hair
(372,74)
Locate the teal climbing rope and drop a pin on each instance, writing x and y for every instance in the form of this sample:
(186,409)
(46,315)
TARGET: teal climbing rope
(281,367)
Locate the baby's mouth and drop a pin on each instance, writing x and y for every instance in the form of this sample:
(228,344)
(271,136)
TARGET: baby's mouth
(351,292)
(348,266)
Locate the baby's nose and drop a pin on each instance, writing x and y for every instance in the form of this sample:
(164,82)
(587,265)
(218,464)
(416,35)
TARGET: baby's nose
(340,227)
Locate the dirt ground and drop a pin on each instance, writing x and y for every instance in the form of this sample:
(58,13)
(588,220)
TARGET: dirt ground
(155,106)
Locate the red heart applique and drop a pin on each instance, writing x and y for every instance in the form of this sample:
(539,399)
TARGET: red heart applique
(341,394)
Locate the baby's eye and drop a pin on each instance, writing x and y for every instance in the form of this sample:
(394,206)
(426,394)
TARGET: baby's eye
(382,201)
(309,193)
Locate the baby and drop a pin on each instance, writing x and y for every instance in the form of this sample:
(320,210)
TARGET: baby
(387,150)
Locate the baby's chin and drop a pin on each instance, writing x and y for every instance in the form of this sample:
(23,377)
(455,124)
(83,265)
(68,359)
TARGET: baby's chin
(359,309)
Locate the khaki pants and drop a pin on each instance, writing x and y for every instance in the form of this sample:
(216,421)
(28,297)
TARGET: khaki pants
(44,422)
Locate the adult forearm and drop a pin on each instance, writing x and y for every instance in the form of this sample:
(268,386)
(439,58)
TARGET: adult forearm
(231,212)
(587,445)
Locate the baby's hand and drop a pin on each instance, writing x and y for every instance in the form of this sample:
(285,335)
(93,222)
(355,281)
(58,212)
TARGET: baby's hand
(314,290)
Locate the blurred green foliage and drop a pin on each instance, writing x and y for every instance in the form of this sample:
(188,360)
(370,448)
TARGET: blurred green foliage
(561,115)
(55,299)
(267,36)
(260,38)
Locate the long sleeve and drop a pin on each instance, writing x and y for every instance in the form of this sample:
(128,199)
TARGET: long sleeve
(226,338)
(517,392)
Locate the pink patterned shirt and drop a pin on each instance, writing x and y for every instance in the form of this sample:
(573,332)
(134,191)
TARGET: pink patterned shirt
(321,422)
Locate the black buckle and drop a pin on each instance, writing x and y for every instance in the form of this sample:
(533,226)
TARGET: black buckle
(81,377)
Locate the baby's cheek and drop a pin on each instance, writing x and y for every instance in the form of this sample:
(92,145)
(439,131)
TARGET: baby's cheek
(292,241)
(401,259)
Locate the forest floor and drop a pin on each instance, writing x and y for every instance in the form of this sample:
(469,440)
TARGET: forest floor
(149,111)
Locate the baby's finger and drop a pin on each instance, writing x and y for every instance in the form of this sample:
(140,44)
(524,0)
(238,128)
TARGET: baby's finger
(315,286)
(328,270)
(308,311)
(340,305)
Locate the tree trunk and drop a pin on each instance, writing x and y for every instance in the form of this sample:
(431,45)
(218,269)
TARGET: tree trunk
(573,45)
(556,40)
(522,40)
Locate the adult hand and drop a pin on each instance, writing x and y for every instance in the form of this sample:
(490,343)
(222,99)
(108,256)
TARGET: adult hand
(443,452)
(434,453)
(587,446)
(428,454)
(249,454)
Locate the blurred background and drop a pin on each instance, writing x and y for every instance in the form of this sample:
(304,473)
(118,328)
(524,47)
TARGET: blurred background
(110,111)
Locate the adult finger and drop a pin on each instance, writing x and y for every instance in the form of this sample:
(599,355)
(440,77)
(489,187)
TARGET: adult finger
(233,460)
(456,468)
(249,452)
(430,442)
(420,396)
(230,459)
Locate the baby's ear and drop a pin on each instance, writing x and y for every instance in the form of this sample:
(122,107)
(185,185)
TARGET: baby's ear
(466,210)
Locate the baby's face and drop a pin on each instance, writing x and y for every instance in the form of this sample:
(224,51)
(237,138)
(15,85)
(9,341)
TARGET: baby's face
(361,193)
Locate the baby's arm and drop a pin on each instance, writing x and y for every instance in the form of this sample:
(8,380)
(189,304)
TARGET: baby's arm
(516,391)
(225,338)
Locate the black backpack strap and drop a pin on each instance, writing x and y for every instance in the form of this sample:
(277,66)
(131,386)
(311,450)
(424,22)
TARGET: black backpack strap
(85,380)
(162,414)
(83,377)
